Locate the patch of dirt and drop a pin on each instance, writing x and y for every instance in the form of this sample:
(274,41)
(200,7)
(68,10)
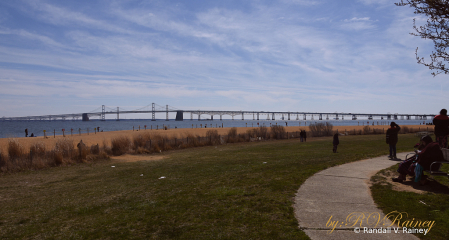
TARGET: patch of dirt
(409,184)
(136,158)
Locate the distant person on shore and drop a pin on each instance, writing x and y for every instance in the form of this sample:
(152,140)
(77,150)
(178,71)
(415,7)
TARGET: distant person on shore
(26,132)
(392,139)
(335,142)
(305,135)
(441,123)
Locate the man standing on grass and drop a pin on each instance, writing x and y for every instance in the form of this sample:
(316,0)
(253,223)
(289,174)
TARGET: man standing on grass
(441,123)
(392,139)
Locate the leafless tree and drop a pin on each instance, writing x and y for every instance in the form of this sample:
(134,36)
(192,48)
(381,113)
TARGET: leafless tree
(436,29)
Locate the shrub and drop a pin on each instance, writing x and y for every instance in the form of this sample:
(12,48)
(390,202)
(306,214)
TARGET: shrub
(38,149)
(141,140)
(3,161)
(263,132)
(321,129)
(213,137)
(65,147)
(15,149)
(405,129)
(120,145)
(366,130)
(95,149)
(277,132)
(191,141)
(57,157)
(232,135)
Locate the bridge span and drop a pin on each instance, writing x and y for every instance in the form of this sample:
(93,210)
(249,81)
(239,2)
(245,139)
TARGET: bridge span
(255,115)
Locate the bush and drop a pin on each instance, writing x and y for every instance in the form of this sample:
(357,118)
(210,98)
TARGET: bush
(321,129)
(120,145)
(38,149)
(405,129)
(57,157)
(191,141)
(15,149)
(213,137)
(95,149)
(3,161)
(263,132)
(366,130)
(141,140)
(232,135)
(65,147)
(277,132)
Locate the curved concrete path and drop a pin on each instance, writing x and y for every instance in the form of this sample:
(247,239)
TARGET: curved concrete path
(337,192)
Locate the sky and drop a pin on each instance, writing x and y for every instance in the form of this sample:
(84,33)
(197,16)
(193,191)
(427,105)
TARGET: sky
(352,56)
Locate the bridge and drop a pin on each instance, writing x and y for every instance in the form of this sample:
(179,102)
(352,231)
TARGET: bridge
(256,115)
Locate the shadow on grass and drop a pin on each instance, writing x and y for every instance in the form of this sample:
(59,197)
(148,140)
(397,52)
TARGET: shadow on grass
(421,203)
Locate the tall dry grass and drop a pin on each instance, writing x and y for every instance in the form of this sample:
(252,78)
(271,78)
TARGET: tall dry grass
(277,132)
(321,129)
(120,145)
(38,157)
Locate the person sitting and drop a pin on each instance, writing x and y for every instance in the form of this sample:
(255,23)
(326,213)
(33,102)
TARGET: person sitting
(430,152)
(407,167)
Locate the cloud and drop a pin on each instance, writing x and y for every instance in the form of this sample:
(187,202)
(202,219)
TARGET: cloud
(358,24)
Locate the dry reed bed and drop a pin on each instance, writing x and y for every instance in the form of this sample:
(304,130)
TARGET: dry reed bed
(38,156)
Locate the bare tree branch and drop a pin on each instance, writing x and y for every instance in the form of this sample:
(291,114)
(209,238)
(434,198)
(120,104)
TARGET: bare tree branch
(436,29)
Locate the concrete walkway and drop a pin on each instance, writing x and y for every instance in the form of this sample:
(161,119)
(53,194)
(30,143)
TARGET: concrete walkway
(338,192)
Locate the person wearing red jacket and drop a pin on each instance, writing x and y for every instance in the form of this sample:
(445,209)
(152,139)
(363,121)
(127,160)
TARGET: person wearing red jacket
(441,123)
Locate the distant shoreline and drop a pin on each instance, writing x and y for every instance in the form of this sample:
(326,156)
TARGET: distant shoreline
(106,137)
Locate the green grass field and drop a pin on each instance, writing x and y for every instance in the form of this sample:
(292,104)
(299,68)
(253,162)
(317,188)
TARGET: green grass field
(432,205)
(234,191)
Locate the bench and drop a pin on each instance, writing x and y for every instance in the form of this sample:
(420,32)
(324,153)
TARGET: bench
(437,172)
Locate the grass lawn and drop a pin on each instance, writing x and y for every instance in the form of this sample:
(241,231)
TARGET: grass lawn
(235,191)
(432,205)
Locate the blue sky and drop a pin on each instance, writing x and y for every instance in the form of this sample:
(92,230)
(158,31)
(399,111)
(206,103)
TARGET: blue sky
(285,55)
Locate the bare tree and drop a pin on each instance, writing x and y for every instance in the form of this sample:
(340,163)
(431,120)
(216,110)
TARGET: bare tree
(436,29)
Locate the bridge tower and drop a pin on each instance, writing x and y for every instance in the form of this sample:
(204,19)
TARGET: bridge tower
(257,116)
(304,117)
(297,117)
(166,113)
(243,118)
(320,117)
(103,111)
(273,117)
(118,117)
(153,114)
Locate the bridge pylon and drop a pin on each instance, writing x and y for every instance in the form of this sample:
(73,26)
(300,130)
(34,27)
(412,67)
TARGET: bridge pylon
(103,113)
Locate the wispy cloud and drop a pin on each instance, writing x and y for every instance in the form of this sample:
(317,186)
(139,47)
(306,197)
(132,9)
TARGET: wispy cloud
(283,55)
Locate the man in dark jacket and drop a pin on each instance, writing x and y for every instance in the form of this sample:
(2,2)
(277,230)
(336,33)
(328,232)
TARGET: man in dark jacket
(392,139)
(441,123)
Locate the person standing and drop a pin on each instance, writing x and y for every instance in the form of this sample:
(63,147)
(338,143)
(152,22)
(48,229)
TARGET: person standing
(392,139)
(441,123)
(26,132)
(335,142)
(305,136)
